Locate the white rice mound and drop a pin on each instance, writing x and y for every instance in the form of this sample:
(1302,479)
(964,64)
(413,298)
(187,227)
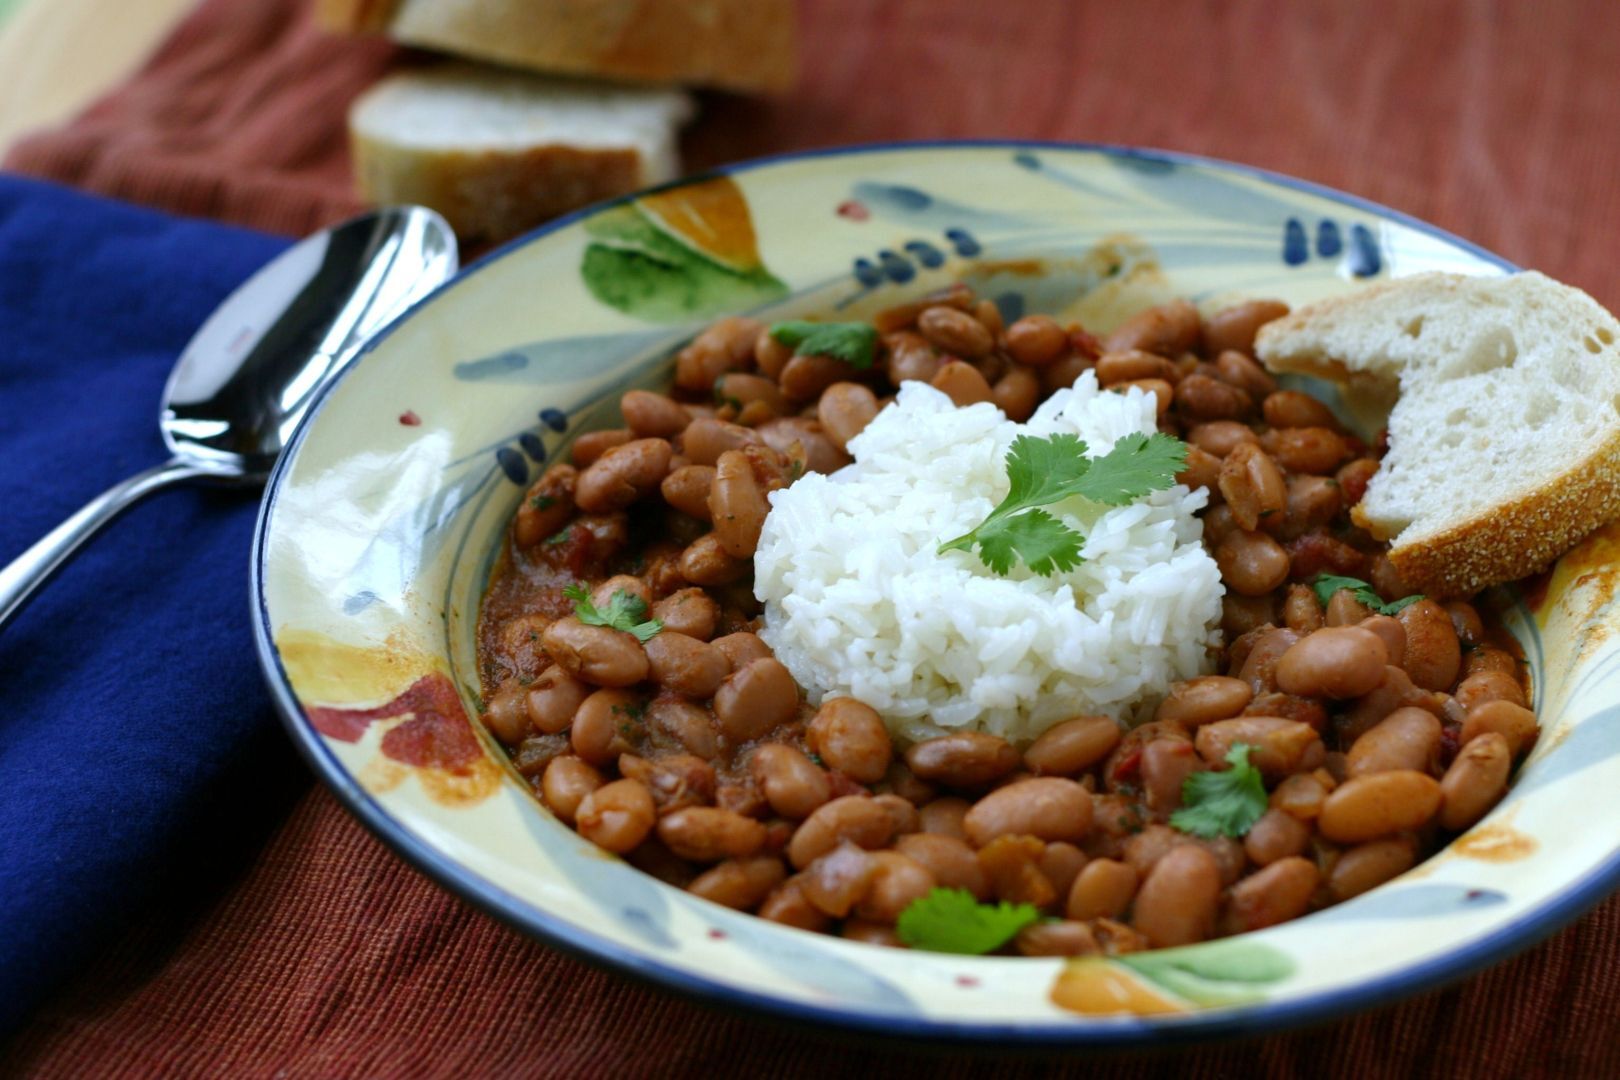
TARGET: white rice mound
(859,603)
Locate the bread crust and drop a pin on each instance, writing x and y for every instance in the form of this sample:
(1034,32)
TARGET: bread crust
(1518,537)
(355,16)
(748,45)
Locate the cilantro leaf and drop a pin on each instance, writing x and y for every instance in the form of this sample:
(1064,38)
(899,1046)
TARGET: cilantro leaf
(1045,471)
(853,342)
(1328,584)
(624,612)
(1222,803)
(951,921)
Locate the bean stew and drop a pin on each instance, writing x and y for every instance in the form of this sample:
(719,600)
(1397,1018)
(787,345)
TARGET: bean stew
(1358,728)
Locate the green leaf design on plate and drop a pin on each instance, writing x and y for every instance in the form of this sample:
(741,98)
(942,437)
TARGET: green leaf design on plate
(1218,973)
(678,254)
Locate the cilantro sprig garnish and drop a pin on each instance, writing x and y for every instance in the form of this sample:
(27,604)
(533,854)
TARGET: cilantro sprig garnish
(1328,584)
(623,612)
(951,921)
(855,343)
(1045,471)
(1222,803)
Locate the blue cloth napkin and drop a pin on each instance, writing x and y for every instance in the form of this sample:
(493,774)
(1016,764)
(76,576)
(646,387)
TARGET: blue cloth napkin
(138,750)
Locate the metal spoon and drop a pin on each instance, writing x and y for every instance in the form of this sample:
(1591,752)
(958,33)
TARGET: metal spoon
(249,375)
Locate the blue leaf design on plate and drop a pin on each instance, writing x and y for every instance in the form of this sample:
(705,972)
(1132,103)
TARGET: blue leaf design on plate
(895,268)
(513,465)
(560,360)
(925,253)
(554,419)
(1364,260)
(1328,241)
(1295,250)
(532,445)
(821,969)
(920,208)
(1595,739)
(867,273)
(1419,900)
(624,895)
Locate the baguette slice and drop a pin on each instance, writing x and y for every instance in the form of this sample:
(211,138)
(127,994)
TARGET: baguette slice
(1504,442)
(498,152)
(748,45)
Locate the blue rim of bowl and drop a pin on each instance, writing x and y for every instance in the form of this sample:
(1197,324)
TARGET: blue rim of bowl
(1085,1033)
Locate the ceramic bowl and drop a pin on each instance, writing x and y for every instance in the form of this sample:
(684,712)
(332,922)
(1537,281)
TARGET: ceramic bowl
(383,520)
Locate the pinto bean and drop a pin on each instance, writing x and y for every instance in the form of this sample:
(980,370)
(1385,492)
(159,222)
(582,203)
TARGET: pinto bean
(706,562)
(1169,330)
(787,904)
(951,861)
(1433,655)
(1048,807)
(1475,782)
(1277,835)
(1253,487)
(1133,365)
(741,648)
(1316,450)
(616,817)
(1279,746)
(1344,609)
(589,447)
(1353,479)
(706,438)
(687,489)
(1293,409)
(505,715)
(1391,632)
(962,383)
(1238,369)
(1394,692)
(739,883)
(896,882)
(1204,699)
(910,358)
(792,783)
(1221,437)
(743,390)
(737,506)
(623,475)
(547,506)
(1300,796)
(1017,393)
(1235,327)
(1488,658)
(851,738)
(756,698)
(1036,340)
(967,759)
(1280,892)
(1335,662)
(1408,738)
(1259,668)
(1176,904)
(1514,723)
(800,439)
(1241,615)
(1204,397)
(804,378)
(689,667)
(710,834)
(553,698)
(1251,563)
(1302,612)
(1203,470)
(1486,686)
(955,332)
(598,655)
(856,818)
(845,409)
(1073,746)
(1369,865)
(566,782)
(1067,937)
(1313,502)
(1166,764)
(1011,865)
(726,345)
(1102,890)
(653,416)
(836,880)
(770,355)
(689,611)
(687,724)
(1377,804)
(605,725)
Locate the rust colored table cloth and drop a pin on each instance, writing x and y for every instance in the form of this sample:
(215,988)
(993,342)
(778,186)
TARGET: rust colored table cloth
(316,952)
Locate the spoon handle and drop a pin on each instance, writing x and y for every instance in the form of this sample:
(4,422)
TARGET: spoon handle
(34,567)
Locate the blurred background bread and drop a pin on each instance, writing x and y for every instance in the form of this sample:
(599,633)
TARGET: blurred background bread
(498,150)
(745,45)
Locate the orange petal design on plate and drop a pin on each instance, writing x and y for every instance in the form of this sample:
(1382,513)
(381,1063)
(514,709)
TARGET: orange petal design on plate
(711,217)
(1097,987)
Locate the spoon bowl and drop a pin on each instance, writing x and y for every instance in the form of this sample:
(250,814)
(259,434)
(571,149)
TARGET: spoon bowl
(247,377)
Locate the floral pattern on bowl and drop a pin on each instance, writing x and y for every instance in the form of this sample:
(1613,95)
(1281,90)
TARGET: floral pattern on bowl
(383,521)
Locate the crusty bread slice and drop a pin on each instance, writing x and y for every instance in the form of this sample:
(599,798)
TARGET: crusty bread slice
(749,45)
(1504,442)
(497,152)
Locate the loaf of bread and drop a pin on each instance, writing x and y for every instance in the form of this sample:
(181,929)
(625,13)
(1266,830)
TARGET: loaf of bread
(498,152)
(1504,439)
(748,45)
